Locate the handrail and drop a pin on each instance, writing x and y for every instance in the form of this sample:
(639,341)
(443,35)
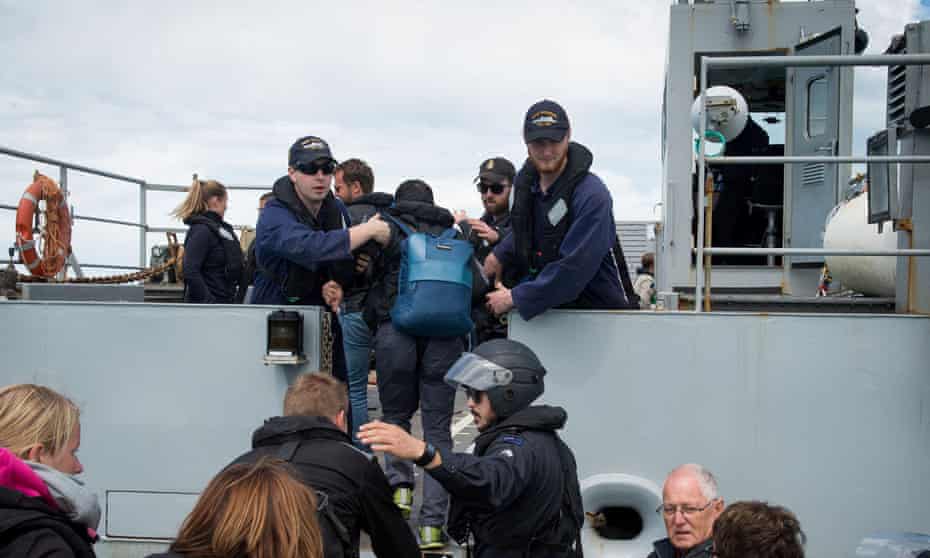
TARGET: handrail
(72,166)
(144,188)
(728,251)
(708,62)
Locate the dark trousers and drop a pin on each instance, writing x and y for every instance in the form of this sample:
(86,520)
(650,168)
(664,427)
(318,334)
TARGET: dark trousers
(411,372)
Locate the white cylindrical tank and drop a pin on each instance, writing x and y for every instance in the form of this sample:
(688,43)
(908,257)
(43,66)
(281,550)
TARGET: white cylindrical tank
(620,516)
(848,228)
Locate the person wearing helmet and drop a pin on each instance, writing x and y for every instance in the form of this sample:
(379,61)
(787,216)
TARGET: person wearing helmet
(518,493)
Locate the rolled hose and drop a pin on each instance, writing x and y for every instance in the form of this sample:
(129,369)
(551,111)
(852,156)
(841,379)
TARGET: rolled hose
(710,134)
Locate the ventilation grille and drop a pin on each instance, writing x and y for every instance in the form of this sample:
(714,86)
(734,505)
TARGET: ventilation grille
(897,80)
(813,174)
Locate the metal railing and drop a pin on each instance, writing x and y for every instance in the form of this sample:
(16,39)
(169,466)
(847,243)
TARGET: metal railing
(143,189)
(708,62)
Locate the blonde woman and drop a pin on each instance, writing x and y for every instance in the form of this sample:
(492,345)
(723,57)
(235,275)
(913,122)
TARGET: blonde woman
(44,509)
(251,511)
(212,256)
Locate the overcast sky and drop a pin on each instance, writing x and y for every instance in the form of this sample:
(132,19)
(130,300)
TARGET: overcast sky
(160,90)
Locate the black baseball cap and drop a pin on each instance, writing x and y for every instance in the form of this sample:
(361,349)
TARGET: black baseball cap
(496,170)
(308,149)
(545,119)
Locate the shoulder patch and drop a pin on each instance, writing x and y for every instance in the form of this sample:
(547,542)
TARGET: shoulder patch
(514,439)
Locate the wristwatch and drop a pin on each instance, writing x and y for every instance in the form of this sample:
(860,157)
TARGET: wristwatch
(429,452)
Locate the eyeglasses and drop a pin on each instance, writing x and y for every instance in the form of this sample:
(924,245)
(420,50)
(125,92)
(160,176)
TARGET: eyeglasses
(314,167)
(669,510)
(483,187)
(474,394)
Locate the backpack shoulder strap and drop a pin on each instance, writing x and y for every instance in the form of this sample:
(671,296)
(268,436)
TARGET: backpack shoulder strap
(404,227)
(620,261)
(287,450)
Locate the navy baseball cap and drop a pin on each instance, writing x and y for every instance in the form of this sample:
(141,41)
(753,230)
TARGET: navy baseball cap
(545,120)
(308,149)
(496,170)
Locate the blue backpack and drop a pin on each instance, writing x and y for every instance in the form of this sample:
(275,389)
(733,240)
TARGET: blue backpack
(434,284)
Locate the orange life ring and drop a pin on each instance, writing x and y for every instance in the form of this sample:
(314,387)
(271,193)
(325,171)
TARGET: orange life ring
(53,225)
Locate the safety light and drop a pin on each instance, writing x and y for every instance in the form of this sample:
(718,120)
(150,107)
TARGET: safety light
(285,343)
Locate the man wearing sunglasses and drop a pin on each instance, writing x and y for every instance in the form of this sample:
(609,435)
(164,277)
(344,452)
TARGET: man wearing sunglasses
(690,505)
(517,493)
(495,177)
(563,250)
(303,241)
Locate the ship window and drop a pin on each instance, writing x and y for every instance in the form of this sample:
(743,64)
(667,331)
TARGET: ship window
(817,107)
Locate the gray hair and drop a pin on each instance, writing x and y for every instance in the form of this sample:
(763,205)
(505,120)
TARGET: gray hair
(706,480)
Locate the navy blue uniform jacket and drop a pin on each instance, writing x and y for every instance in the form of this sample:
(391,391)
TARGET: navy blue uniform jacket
(585,261)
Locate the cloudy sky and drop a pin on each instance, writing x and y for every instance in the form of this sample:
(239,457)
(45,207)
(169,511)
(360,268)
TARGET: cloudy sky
(160,90)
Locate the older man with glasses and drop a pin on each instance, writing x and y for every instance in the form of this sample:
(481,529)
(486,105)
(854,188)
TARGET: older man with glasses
(690,505)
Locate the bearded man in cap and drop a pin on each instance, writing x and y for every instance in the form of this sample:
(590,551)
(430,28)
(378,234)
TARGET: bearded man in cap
(518,493)
(494,181)
(563,250)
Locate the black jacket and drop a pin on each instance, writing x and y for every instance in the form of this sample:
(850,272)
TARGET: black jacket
(212,260)
(663,549)
(511,493)
(482,248)
(422,217)
(361,210)
(30,528)
(351,479)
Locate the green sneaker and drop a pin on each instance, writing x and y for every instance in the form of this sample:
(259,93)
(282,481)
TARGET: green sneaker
(403,499)
(431,538)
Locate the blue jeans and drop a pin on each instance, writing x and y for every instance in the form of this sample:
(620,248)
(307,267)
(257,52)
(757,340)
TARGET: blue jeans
(356,342)
(411,372)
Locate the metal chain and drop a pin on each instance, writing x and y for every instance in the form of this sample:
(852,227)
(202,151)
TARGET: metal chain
(108,280)
(326,342)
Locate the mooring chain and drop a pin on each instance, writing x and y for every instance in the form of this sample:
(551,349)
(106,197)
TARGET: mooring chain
(326,342)
(107,280)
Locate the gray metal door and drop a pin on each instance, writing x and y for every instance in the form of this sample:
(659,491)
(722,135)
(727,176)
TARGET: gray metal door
(814,125)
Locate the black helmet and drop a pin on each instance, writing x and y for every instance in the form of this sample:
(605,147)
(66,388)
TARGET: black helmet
(507,371)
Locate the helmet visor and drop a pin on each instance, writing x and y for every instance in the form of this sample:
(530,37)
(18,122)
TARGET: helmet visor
(478,373)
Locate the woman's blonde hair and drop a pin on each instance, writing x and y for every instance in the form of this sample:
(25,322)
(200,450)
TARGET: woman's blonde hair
(32,415)
(255,510)
(197,196)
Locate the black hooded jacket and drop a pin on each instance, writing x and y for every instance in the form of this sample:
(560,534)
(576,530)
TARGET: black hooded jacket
(212,260)
(519,493)
(360,211)
(29,528)
(422,217)
(356,489)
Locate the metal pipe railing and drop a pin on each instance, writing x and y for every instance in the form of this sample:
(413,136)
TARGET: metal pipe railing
(813,252)
(144,188)
(780,62)
(64,164)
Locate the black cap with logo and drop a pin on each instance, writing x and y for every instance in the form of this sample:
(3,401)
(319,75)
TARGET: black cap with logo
(496,170)
(308,149)
(545,120)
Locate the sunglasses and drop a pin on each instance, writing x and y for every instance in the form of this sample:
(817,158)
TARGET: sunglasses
(312,168)
(483,187)
(474,394)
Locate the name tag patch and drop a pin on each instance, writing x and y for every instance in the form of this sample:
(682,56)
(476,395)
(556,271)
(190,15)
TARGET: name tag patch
(557,213)
(513,439)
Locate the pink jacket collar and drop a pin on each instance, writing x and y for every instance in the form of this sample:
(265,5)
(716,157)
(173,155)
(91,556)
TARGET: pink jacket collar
(16,475)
